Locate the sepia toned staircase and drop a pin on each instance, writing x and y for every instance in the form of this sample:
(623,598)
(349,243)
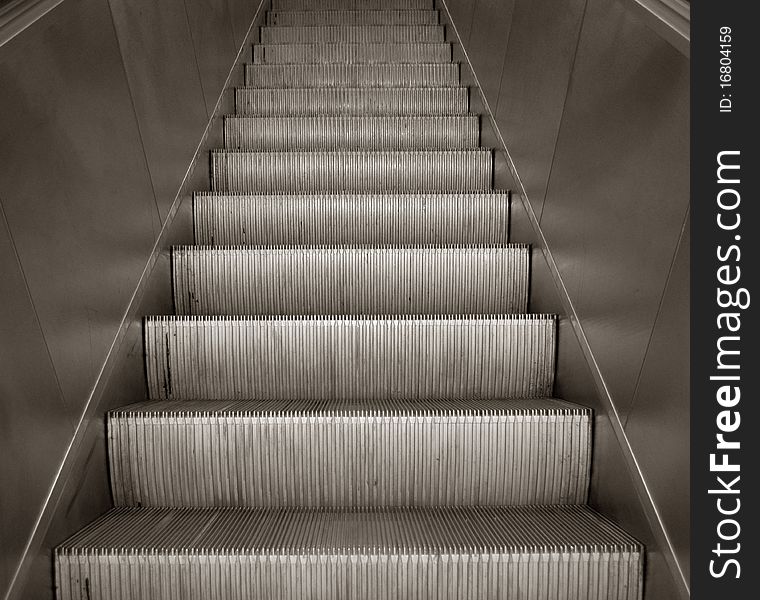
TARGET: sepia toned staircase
(352,400)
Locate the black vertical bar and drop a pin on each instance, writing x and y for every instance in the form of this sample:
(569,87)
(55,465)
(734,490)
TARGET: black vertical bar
(725,258)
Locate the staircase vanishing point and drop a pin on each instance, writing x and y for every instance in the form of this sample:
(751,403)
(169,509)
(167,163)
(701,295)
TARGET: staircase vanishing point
(351,401)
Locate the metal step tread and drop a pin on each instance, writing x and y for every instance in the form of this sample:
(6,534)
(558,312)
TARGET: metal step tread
(343,218)
(357,34)
(425,52)
(350,356)
(349,453)
(351,170)
(396,101)
(286,280)
(516,553)
(343,132)
(375,16)
(349,4)
(354,531)
(329,409)
(321,75)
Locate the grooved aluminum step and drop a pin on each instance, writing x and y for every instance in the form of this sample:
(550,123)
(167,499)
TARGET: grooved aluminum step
(350,4)
(353,34)
(352,171)
(352,75)
(359,219)
(352,133)
(359,358)
(331,280)
(416,52)
(376,453)
(511,553)
(359,101)
(352,17)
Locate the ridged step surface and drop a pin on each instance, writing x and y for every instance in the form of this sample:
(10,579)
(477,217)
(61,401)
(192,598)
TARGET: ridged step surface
(351,133)
(350,4)
(353,34)
(356,358)
(359,101)
(352,17)
(359,219)
(352,171)
(352,53)
(327,280)
(514,553)
(333,454)
(352,75)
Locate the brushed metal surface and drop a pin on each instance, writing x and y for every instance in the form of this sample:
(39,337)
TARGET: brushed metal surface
(213,39)
(655,423)
(351,53)
(353,17)
(344,453)
(465,357)
(362,219)
(75,187)
(352,171)
(352,34)
(524,553)
(329,280)
(351,101)
(352,133)
(538,62)
(36,424)
(613,232)
(169,130)
(352,75)
(487,46)
(349,4)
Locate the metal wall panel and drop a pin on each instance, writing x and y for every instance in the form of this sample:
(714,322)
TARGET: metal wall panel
(159,60)
(656,425)
(461,13)
(76,190)
(487,47)
(34,422)
(211,30)
(619,185)
(533,85)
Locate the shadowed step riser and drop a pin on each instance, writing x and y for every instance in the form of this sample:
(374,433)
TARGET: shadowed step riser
(362,219)
(351,171)
(351,101)
(430,554)
(329,281)
(344,358)
(357,75)
(351,133)
(352,53)
(377,454)
(352,17)
(353,34)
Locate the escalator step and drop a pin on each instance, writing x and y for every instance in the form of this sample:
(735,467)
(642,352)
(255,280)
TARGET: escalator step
(342,453)
(352,171)
(387,52)
(359,101)
(291,18)
(331,280)
(352,75)
(518,553)
(351,133)
(353,34)
(357,219)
